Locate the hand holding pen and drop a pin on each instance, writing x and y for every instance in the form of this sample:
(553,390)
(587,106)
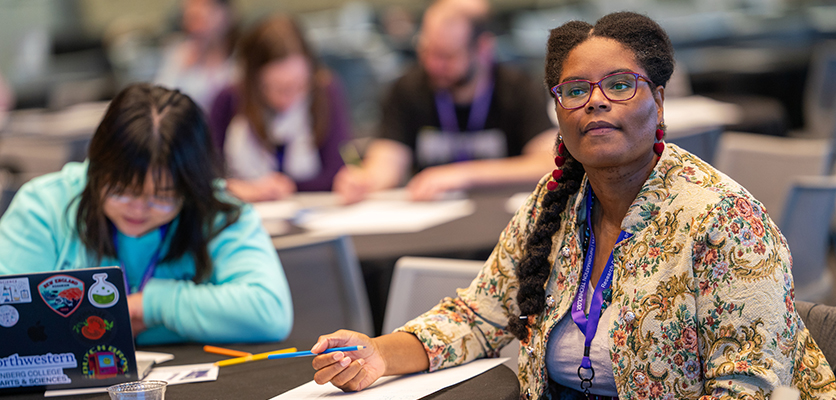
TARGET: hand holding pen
(349,371)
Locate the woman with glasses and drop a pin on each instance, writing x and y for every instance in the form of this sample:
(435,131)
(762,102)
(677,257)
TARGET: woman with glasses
(635,270)
(198,264)
(282,125)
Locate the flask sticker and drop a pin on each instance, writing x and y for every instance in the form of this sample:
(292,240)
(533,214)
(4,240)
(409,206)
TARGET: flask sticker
(102,294)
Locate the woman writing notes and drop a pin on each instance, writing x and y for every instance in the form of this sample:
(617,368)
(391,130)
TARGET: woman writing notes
(635,270)
(198,263)
(281,128)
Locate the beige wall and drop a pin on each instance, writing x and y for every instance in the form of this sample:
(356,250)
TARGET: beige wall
(155,14)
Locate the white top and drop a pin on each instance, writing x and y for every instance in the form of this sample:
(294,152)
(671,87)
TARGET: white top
(565,351)
(247,158)
(200,82)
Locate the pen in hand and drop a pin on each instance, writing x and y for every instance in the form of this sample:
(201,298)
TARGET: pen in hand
(309,353)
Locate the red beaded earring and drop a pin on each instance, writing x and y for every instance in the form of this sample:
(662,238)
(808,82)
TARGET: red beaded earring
(659,146)
(559,160)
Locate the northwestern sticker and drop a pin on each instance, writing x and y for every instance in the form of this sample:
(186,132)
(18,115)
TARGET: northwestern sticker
(38,370)
(14,291)
(102,294)
(62,293)
(8,316)
(102,362)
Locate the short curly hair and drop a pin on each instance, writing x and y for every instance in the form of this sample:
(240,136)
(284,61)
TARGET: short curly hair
(649,42)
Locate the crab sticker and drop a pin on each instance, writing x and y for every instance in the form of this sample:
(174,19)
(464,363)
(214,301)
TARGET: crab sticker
(62,293)
(102,294)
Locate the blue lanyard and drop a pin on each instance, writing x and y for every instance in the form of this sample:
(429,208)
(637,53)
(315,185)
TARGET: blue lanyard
(280,157)
(478,110)
(589,324)
(152,265)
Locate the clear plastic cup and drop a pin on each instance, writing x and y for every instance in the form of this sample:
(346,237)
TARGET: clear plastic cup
(141,390)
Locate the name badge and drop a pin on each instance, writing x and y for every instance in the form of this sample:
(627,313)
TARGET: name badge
(436,147)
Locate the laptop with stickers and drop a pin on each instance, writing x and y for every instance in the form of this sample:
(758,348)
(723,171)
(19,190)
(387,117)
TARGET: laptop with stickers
(65,329)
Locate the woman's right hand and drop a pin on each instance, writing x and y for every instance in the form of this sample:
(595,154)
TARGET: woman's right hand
(274,186)
(352,184)
(349,371)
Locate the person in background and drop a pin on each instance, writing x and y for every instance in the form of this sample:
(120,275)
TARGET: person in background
(457,118)
(282,125)
(199,63)
(633,271)
(7,98)
(198,264)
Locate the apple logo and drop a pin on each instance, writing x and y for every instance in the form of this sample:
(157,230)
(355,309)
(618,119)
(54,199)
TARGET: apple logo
(37,332)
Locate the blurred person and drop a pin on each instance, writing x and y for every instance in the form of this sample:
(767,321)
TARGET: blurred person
(281,127)
(7,96)
(198,264)
(7,100)
(399,30)
(633,271)
(457,118)
(199,62)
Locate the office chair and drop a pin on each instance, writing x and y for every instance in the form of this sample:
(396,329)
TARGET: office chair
(326,285)
(419,283)
(767,166)
(806,224)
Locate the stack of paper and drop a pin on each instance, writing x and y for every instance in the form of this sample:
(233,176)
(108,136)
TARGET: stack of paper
(404,387)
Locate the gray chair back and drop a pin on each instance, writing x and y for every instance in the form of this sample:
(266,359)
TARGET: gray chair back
(701,143)
(821,321)
(806,221)
(326,285)
(419,283)
(767,166)
(820,91)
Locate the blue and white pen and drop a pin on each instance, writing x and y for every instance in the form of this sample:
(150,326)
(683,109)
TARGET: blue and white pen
(308,353)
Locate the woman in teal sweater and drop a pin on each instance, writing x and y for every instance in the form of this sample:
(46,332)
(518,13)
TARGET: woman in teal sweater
(199,265)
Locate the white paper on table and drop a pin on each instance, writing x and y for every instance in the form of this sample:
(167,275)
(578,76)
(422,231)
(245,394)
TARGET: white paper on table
(158,358)
(383,216)
(178,374)
(516,201)
(403,387)
(690,112)
(280,209)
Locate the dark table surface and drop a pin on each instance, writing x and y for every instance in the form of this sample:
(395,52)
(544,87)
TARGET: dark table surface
(476,232)
(470,237)
(269,378)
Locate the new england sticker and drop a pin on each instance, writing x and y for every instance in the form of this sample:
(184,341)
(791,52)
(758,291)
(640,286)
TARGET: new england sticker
(62,293)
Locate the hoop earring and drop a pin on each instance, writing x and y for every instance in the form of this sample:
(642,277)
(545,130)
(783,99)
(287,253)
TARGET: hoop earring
(659,146)
(559,161)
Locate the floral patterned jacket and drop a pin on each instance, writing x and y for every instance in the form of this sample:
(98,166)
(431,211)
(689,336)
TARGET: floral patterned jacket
(703,292)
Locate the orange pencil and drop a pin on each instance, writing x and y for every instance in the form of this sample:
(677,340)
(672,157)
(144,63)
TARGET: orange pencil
(252,357)
(225,352)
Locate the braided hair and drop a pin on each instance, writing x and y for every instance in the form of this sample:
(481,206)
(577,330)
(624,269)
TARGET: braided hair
(654,52)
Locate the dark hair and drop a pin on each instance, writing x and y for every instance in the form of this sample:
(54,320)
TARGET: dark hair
(642,35)
(275,39)
(151,129)
(654,52)
(230,37)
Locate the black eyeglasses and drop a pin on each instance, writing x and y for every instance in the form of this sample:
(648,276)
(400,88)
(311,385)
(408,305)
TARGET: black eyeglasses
(620,86)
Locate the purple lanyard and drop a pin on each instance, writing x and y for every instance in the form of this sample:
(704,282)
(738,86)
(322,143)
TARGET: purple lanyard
(478,110)
(589,324)
(152,265)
